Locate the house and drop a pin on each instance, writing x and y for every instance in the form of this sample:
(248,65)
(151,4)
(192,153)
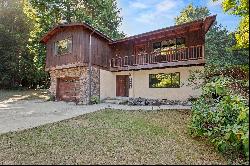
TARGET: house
(83,62)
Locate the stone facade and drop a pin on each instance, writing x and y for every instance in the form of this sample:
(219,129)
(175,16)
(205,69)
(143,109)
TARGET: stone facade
(83,74)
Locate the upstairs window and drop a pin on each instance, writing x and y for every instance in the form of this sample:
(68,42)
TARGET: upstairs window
(63,46)
(166,45)
(162,80)
(140,49)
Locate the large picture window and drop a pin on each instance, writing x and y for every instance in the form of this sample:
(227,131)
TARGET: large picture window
(63,46)
(162,80)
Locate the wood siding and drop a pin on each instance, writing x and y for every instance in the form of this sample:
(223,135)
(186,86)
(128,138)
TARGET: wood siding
(101,51)
(192,38)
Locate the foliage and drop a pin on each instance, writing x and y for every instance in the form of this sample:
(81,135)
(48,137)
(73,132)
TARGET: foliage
(51,97)
(242,36)
(221,113)
(222,116)
(239,8)
(16,67)
(94,100)
(191,13)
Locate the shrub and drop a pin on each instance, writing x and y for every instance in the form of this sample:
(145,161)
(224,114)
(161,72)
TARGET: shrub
(51,97)
(94,100)
(223,119)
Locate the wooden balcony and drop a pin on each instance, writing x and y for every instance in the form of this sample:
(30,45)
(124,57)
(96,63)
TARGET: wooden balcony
(171,58)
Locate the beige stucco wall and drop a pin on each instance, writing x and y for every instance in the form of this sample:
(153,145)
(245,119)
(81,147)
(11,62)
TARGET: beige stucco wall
(107,84)
(140,84)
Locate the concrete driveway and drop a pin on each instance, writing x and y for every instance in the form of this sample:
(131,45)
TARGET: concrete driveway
(24,114)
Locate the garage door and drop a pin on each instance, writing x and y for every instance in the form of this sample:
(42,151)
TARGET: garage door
(68,89)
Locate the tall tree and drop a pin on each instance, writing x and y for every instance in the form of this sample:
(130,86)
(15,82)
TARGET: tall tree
(16,63)
(239,8)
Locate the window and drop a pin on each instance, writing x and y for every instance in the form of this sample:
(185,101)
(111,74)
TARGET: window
(162,80)
(180,42)
(157,46)
(166,45)
(63,46)
(140,49)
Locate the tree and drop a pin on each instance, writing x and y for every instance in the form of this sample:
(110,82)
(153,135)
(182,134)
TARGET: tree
(239,8)
(191,13)
(14,34)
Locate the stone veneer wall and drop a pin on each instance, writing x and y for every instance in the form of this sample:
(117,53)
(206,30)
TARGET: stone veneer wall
(83,74)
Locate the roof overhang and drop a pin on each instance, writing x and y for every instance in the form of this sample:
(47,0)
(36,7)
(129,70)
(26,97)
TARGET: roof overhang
(204,24)
(208,22)
(60,27)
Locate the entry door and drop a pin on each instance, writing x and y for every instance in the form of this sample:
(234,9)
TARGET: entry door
(122,85)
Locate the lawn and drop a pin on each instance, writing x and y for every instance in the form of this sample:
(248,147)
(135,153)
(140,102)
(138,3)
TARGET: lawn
(110,137)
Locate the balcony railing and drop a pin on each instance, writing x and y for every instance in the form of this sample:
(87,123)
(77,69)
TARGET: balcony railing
(176,55)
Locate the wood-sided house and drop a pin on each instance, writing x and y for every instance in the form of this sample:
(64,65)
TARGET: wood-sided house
(83,62)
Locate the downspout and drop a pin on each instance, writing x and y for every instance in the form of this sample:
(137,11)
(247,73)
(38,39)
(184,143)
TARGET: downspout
(90,64)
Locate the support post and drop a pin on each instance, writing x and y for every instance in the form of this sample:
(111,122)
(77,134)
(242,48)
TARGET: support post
(90,65)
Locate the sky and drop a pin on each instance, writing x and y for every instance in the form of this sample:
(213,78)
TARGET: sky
(141,16)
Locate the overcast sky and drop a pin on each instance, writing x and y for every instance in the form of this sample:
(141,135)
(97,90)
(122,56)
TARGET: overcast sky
(141,16)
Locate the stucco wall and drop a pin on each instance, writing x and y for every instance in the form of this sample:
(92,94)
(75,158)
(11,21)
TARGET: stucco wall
(107,84)
(140,84)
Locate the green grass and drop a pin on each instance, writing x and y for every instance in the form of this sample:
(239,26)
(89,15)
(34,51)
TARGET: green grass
(110,137)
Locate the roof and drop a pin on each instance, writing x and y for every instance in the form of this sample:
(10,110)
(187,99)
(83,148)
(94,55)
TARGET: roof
(206,24)
(57,28)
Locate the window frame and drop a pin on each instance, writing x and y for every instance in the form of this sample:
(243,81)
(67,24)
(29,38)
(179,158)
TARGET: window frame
(69,52)
(179,81)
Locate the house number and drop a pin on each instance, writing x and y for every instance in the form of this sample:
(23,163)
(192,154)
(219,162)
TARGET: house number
(130,82)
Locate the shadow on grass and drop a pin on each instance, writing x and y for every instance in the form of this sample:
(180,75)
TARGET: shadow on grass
(10,96)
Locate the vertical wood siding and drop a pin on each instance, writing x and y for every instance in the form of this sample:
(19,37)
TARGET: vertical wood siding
(102,51)
(80,48)
(192,38)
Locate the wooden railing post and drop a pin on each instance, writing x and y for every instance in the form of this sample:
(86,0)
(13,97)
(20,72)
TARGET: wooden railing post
(203,51)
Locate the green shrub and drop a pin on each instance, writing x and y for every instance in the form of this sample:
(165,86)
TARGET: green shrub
(224,119)
(94,100)
(51,97)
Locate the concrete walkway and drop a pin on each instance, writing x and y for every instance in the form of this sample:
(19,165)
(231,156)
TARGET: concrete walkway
(32,113)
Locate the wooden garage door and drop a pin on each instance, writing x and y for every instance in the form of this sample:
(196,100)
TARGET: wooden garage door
(68,89)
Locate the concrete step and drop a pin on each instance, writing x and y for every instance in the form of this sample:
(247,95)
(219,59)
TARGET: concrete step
(119,100)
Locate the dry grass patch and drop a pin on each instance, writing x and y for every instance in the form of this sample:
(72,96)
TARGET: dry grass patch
(110,137)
